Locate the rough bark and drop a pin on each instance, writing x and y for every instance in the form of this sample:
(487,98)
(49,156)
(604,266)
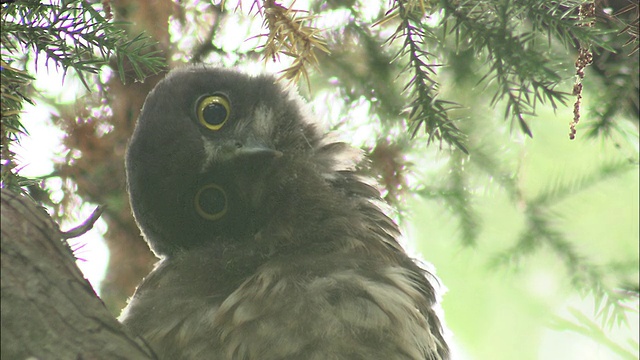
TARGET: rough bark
(49,310)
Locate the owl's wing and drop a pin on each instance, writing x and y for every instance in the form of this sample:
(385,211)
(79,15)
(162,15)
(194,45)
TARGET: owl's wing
(328,308)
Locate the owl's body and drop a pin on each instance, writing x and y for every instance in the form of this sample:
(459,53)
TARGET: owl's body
(272,246)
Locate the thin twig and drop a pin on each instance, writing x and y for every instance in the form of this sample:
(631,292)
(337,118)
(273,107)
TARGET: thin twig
(86,225)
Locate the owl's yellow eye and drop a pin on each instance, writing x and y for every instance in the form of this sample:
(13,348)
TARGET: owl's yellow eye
(213,111)
(211,202)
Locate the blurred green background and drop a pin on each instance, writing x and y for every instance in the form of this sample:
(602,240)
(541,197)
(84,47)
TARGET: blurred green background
(528,309)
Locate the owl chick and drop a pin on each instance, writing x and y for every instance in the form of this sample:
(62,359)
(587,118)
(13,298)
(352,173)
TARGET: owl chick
(271,245)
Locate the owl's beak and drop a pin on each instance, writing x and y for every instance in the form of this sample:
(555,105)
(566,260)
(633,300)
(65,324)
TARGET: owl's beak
(256,152)
(247,150)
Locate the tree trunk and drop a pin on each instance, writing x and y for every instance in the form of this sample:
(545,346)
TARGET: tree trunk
(49,311)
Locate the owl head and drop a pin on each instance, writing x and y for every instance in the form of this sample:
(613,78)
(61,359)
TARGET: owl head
(210,150)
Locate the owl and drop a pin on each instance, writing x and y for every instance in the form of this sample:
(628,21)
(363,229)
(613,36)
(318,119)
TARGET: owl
(271,245)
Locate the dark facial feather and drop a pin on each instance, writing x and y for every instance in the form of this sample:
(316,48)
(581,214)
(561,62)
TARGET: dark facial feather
(171,154)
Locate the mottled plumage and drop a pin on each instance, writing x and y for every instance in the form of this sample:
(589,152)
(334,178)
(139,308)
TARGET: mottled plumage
(272,246)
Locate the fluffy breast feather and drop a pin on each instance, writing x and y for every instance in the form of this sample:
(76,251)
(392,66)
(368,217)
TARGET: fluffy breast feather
(327,307)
